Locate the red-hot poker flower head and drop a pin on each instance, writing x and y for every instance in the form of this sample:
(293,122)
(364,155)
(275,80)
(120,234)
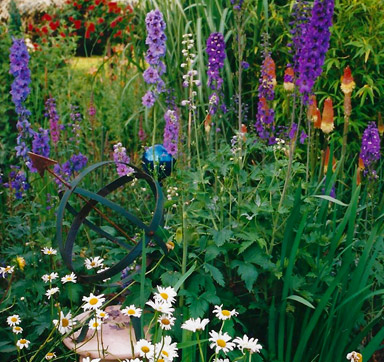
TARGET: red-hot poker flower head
(347,82)
(326,161)
(289,75)
(327,122)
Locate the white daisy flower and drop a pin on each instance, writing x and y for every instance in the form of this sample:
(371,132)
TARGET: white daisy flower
(220,342)
(355,357)
(101,314)
(65,323)
(132,311)
(144,348)
(95,324)
(69,278)
(166,350)
(51,292)
(88,359)
(21,343)
(194,325)
(166,295)
(93,301)
(222,360)
(224,314)
(166,321)
(249,344)
(91,263)
(13,320)
(49,251)
(161,307)
(49,277)
(17,329)
(50,355)
(133,360)
(7,270)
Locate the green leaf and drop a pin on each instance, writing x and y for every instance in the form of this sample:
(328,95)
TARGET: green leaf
(301,300)
(221,236)
(215,273)
(247,271)
(190,343)
(184,277)
(331,199)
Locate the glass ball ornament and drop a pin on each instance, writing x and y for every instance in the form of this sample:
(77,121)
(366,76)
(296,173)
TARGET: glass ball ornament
(156,160)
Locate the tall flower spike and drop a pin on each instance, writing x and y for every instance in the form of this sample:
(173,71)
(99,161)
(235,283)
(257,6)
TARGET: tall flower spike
(370,148)
(327,122)
(51,114)
(347,81)
(155,40)
(171,132)
(315,45)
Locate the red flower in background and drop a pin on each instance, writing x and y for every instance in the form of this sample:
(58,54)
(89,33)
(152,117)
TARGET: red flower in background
(30,27)
(54,25)
(44,29)
(100,20)
(46,17)
(62,34)
(118,34)
(90,8)
(119,19)
(91,27)
(113,24)
(77,24)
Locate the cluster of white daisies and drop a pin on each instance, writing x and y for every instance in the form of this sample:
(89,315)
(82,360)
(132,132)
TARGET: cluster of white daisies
(166,351)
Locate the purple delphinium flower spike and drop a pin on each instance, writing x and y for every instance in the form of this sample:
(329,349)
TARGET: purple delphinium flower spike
(76,163)
(370,148)
(155,40)
(171,132)
(121,158)
(19,59)
(237,4)
(216,57)
(40,143)
(17,181)
(315,45)
(51,113)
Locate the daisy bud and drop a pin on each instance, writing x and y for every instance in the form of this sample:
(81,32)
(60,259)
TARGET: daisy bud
(327,122)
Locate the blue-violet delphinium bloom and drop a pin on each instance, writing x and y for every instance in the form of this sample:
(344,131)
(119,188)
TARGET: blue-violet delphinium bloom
(40,143)
(17,180)
(315,46)
(19,59)
(171,131)
(370,147)
(76,163)
(301,13)
(237,4)
(155,40)
(51,114)
(216,57)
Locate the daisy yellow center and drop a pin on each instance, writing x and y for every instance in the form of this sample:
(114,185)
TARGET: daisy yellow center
(145,349)
(221,343)
(17,328)
(160,360)
(23,341)
(95,324)
(93,301)
(165,353)
(93,263)
(14,319)
(166,321)
(131,311)
(164,295)
(64,322)
(225,312)
(102,315)
(49,354)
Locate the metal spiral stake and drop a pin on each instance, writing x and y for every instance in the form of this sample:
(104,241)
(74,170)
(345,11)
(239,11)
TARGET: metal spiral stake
(152,231)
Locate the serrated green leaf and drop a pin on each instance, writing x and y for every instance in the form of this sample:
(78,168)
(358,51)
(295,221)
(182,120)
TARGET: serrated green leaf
(221,236)
(215,273)
(247,271)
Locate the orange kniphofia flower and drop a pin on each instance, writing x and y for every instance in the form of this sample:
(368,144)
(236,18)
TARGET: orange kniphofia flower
(347,82)
(326,161)
(270,69)
(380,125)
(327,121)
(289,75)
